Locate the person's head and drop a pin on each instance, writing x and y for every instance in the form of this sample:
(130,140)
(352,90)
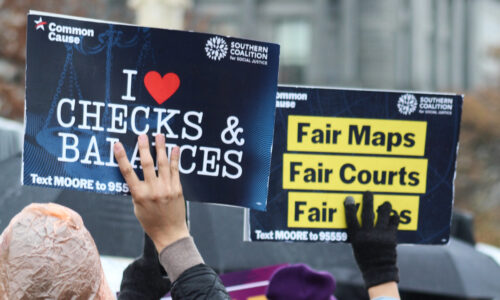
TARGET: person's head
(47,253)
(300,282)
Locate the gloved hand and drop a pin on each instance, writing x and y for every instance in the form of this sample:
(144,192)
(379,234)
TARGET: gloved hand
(145,278)
(374,246)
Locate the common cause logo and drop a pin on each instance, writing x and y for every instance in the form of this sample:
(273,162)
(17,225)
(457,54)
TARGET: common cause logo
(407,104)
(216,48)
(39,24)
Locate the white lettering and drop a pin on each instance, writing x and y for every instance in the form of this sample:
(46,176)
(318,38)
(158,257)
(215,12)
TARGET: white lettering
(193,153)
(239,155)
(66,147)
(134,121)
(92,151)
(128,96)
(59,107)
(95,115)
(164,122)
(197,127)
(210,162)
(117,118)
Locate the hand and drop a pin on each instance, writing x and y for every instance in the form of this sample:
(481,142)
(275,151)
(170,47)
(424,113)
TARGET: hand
(158,200)
(374,246)
(145,278)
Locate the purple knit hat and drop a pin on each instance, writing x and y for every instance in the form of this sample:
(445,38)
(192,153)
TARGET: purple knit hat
(300,282)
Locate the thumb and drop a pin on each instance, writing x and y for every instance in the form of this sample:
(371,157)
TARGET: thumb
(350,214)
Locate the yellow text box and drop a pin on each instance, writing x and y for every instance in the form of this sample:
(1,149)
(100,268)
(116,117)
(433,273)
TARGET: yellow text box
(354,173)
(326,210)
(356,135)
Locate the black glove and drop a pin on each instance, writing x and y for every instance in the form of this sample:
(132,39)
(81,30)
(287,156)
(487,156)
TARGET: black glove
(374,246)
(145,278)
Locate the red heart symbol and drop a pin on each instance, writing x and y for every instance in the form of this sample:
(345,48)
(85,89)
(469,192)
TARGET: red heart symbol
(161,88)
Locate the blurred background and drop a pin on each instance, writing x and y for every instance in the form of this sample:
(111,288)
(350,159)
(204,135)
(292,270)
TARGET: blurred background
(432,45)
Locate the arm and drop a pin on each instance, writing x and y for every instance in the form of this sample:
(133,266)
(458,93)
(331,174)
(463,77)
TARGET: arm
(387,290)
(160,207)
(374,246)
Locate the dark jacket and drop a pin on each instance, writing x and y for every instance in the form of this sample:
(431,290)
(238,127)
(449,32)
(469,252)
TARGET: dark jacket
(145,278)
(199,282)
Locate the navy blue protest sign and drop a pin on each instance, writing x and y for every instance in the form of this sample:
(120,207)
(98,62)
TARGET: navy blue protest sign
(331,143)
(92,83)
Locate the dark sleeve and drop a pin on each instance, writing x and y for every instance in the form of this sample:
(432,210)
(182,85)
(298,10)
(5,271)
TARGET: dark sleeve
(199,282)
(144,278)
(192,279)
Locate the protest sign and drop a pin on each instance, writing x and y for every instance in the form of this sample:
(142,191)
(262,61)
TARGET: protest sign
(92,83)
(331,143)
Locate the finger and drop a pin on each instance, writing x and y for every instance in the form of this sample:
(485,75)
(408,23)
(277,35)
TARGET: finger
(383,212)
(367,214)
(350,214)
(174,167)
(394,221)
(161,156)
(125,166)
(146,160)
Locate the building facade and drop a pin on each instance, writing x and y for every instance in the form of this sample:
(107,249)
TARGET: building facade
(387,44)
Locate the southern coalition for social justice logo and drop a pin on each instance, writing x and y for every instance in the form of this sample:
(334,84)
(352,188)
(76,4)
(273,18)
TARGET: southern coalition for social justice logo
(407,104)
(216,48)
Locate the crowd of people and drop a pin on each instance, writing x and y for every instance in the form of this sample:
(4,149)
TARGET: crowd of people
(47,253)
